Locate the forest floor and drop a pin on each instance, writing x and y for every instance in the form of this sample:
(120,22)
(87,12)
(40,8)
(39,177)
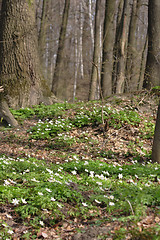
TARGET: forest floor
(124,140)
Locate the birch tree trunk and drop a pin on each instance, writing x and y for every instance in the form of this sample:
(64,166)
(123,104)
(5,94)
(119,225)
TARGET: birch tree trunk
(81,41)
(90,22)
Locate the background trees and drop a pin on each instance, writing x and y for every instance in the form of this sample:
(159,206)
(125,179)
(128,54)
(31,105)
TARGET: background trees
(109,34)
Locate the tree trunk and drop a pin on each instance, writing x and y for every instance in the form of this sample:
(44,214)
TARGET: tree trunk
(132,67)
(153,66)
(90,22)
(42,32)
(143,65)
(156,141)
(122,41)
(58,83)
(108,44)
(97,51)
(19,68)
(20,73)
(152,75)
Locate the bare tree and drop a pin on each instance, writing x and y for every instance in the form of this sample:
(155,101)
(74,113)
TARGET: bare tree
(153,58)
(153,66)
(58,84)
(97,51)
(121,40)
(132,63)
(108,44)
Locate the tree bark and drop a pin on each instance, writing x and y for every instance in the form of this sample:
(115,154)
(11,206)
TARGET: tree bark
(20,73)
(42,33)
(97,51)
(108,44)
(122,41)
(153,66)
(152,74)
(57,83)
(143,65)
(156,141)
(132,67)
(19,68)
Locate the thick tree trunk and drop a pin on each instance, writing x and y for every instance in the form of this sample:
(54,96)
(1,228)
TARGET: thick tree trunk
(152,75)
(58,83)
(97,51)
(20,72)
(156,141)
(19,68)
(108,44)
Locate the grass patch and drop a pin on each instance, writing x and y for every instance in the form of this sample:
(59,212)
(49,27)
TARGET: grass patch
(40,193)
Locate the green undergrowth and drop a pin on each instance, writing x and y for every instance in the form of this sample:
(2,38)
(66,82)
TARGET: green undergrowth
(43,194)
(63,117)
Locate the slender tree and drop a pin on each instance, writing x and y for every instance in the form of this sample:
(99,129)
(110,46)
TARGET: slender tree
(121,41)
(58,84)
(108,44)
(153,66)
(132,65)
(43,31)
(152,75)
(97,51)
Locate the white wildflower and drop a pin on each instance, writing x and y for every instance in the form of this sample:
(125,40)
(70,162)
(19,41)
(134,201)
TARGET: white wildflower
(53,199)
(99,183)
(84,204)
(120,176)
(111,204)
(91,174)
(15,201)
(59,205)
(6,183)
(40,193)
(111,197)
(74,172)
(23,201)
(34,180)
(41,223)
(10,232)
(48,190)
